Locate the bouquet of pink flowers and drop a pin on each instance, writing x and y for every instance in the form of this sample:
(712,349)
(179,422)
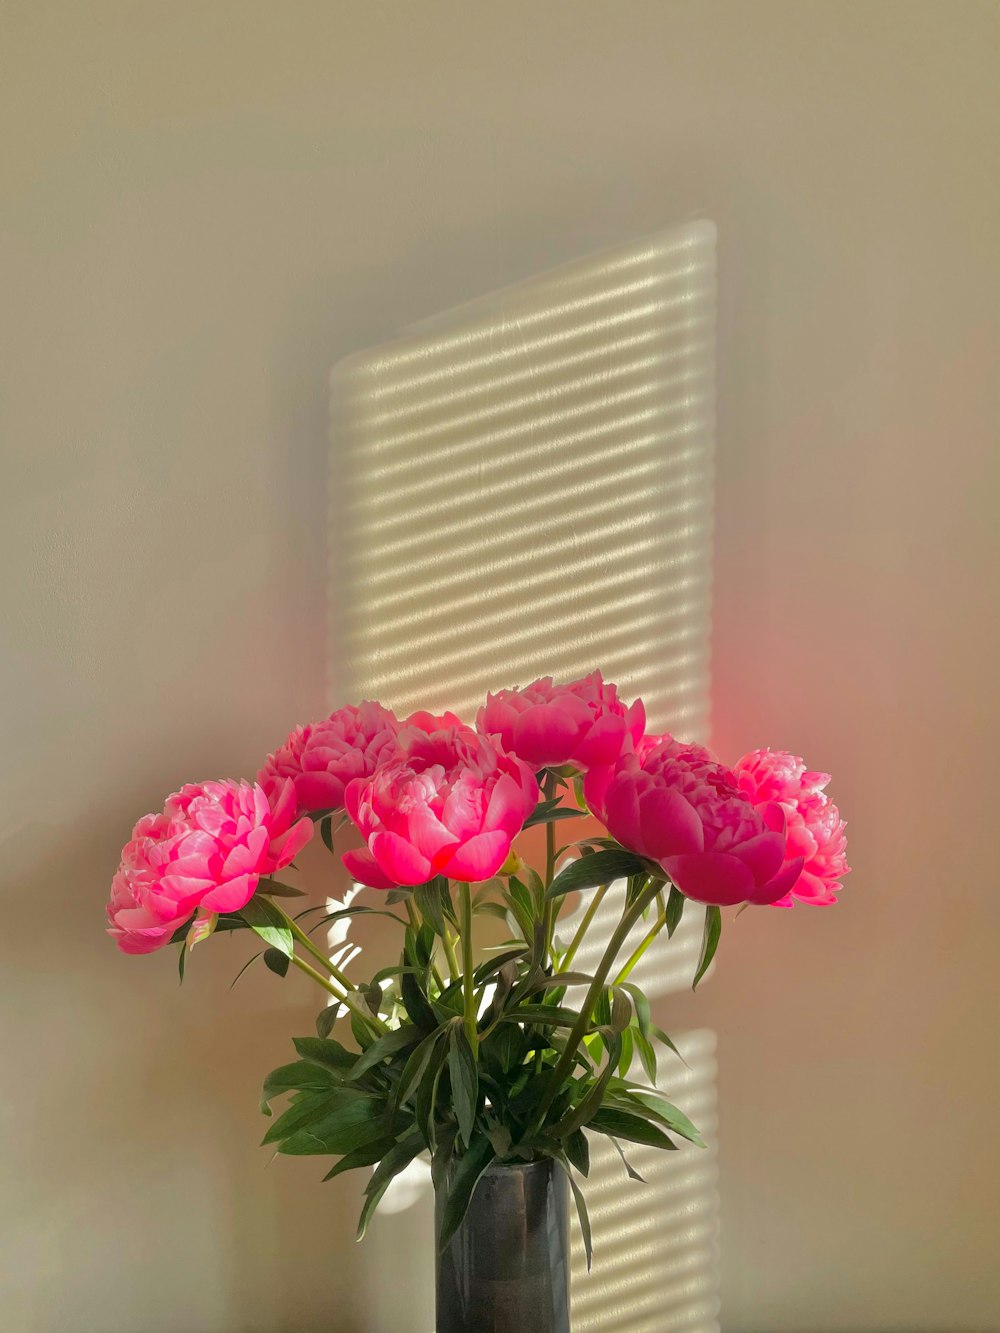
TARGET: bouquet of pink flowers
(480,1061)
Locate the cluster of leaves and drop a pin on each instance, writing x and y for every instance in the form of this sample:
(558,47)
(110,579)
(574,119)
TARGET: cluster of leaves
(503,1070)
(424,1086)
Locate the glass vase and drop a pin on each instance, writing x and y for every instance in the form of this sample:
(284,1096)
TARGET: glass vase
(506,1269)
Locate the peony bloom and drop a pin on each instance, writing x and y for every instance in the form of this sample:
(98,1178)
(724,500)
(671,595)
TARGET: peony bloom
(583,723)
(681,808)
(208,850)
(448,804)
(815,828)
(321,758)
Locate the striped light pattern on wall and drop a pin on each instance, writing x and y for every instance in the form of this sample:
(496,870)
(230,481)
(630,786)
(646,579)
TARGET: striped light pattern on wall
(523,487)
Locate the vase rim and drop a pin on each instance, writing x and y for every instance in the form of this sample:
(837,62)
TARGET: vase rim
(520,1166)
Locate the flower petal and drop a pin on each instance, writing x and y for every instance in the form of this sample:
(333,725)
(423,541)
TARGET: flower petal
(400,860)
(477,859)
(283,851)
(506,811)
(362,867)
(711,877)
(669,824)
(603,742)
(232,895)
(622,812)
(781,883)
(762,855)
(544,734)
(319,791)
(426,832)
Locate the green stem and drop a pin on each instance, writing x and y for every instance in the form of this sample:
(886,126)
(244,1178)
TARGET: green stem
(414,915)
(583,927)
(299,934)
(647,940)
(320,980)
(468,966)
(549,789)
(549,917)
(620,934)
(449,952)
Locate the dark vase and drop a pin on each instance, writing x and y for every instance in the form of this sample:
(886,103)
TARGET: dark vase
(506,1269)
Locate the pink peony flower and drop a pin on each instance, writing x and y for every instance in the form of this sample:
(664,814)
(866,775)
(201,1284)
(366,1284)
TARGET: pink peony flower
(321,758)
(208,850)
(450,804)
(681,808)
(815,828)
(583,723)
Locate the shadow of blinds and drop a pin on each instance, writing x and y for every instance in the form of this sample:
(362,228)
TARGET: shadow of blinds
(523,487)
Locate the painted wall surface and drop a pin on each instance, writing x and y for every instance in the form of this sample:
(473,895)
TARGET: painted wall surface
(203,207)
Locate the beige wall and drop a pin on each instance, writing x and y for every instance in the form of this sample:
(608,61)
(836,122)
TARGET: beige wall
(202,207)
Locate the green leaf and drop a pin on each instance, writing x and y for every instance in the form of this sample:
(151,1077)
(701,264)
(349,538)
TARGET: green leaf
(276,890)
(433,901)
(182,962)
(660,1035)
(647,1054)
(326,832)
(625,1059)
(578,1152)
(347,1127)
(463,1184)
(561,812)
(621,1012)
(400,1039)
(395,1160)
(243,969)
(269,923)
(366,1155)
(558,980)
(357,909)
(545,1014)
(325,1052)
(624,1125)
(709,942)
(668,1113)
(591,1102)
(427,1093)
(587,872)
(226,921)
(674,909)
(499,910)
(581,1210)
(326,1018)
(499,1135)
(276,961)
(415,1066)
(548,812)
(314,1108)
(394,896)
(464,1081)
(300,1076)
(360,1030)
(518,899)
(641,1005)
(416,1004)
(633,1174)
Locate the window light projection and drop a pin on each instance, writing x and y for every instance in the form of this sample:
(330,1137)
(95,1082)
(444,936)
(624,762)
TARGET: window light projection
(523,486)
